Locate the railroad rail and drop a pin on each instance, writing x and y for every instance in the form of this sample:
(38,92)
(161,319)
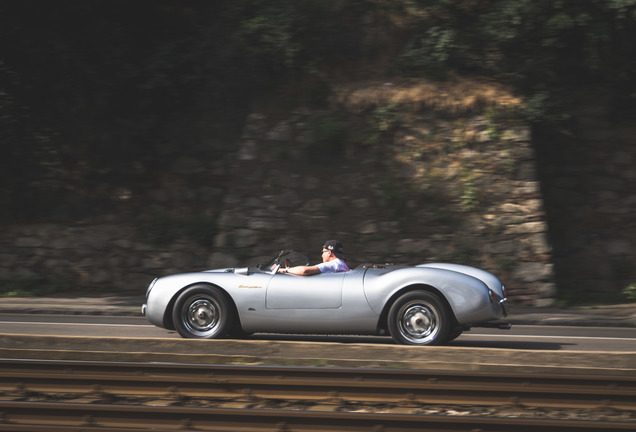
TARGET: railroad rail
(52,396)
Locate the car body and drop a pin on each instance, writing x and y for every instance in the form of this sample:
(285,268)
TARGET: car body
(428,304)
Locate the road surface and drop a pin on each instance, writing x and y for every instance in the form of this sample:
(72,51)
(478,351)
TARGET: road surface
(521,337)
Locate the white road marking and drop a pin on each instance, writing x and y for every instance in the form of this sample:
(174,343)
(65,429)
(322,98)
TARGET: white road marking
(464,335)
(545,337)
(76,324)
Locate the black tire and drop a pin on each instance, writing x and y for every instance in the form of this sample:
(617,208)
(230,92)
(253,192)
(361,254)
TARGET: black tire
(454,334)
(202,312)
(419,318)
(237,332)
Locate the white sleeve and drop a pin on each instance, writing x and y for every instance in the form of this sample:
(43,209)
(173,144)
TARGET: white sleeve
(328,267)
(334,266)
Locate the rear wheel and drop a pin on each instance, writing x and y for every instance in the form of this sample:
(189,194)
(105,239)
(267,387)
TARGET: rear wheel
(202,312)
(419,318)
(237,332)
(454,333)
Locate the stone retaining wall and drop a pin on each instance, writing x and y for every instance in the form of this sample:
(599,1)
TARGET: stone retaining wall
(440,189)
(101,256)
(426,188)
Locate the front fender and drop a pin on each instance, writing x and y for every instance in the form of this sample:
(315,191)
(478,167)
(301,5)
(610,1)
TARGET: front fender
(244,288)
(161,294)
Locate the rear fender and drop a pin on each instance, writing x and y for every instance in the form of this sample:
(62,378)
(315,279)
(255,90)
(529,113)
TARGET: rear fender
(383,321)
(466,296)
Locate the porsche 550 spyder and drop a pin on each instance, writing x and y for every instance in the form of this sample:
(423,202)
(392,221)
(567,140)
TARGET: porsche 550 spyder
(427,304)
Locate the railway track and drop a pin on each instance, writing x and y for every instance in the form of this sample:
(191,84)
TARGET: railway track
(91,396)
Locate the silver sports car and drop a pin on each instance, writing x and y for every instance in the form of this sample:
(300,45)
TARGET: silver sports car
(428,304)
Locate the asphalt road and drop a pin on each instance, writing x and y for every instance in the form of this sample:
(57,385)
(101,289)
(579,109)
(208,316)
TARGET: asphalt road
(520,337)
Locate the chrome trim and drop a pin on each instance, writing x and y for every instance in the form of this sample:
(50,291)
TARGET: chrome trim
(504,306)
(152,284)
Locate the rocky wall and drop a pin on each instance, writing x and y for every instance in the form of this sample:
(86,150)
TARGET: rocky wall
(409,187)
(460,189)
(99,257)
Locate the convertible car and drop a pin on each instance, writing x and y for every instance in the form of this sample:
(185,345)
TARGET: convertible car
(428,304)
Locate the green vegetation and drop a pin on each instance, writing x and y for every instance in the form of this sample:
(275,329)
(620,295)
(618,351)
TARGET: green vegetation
(94,101)
(387,117)
(105,95)
(382,122)
(327,139)
(33,286)
(630,292)
(548,49)
(470,192)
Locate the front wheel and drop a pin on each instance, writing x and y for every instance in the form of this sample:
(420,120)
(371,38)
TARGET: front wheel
(202,312)
(419,318)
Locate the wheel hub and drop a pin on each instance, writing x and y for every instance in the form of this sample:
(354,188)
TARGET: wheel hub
(202,315)
(418,322)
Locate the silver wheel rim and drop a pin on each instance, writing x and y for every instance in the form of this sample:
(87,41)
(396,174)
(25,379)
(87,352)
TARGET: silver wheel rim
(202,315)
(418,322)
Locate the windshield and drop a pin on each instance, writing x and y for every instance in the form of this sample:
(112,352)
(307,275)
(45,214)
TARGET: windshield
(286,258)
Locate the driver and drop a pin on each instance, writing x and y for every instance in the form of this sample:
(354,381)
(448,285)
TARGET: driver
(333,261)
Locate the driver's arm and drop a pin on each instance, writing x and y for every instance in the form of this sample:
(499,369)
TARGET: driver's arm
(300,270)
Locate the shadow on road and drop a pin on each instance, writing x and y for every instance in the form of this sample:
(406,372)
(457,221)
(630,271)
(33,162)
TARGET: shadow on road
(517,345)
(507,344)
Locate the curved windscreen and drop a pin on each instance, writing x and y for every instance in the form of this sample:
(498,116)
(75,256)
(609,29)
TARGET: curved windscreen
(287,258)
